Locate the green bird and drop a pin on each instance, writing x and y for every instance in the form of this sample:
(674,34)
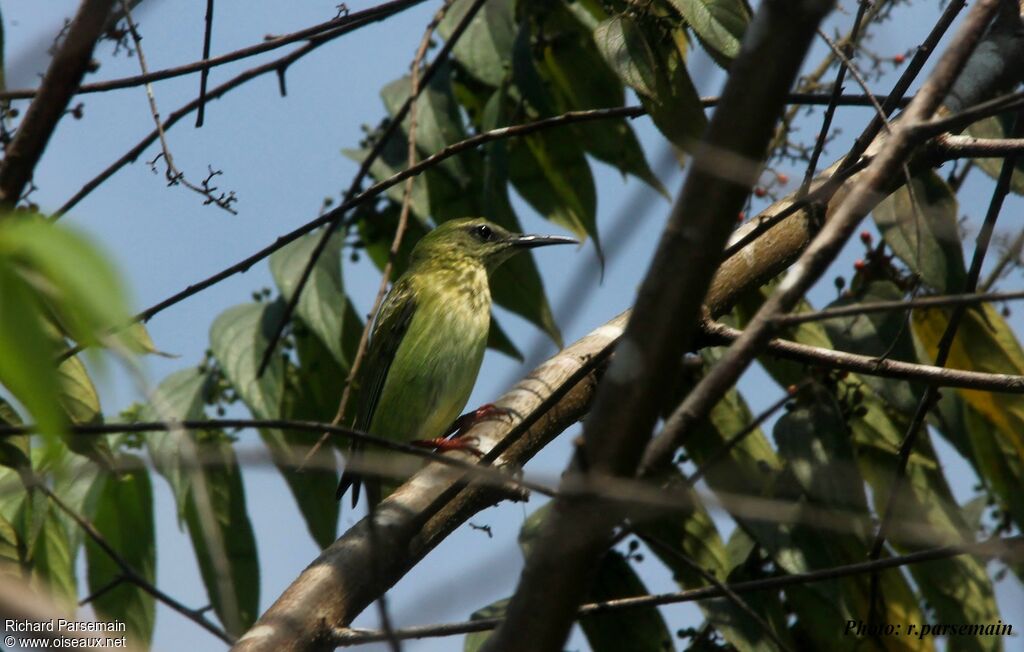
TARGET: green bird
(429,338)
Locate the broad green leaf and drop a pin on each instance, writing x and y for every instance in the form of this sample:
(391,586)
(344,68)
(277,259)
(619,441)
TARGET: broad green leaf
(499,340)
(238,338)
(486,45)
(998,127)
(475,640)
(582,80)
(22,346)
(222,535)
(625,48)
(136,338)
(719,24)
(879,334)
(693,535)
(14,449)
(516,285)
(53,564)
(655,69)
(919,222)
(178,397)
(321,306)
(66,267)
(438,122)
(81,402)
(551,172)
(999,468)
(124,516)
(642,630)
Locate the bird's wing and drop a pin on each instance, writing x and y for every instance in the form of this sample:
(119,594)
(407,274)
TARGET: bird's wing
(388,332)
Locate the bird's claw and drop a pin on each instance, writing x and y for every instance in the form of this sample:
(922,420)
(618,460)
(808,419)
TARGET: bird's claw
(444,444)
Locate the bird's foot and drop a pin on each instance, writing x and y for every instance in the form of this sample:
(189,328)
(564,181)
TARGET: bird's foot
(444,444)
(482,413)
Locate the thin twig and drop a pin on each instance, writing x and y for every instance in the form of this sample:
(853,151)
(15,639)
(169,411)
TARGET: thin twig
(173,175)
(709,577)
(128,573)
(205,72)
(1010,548)
(837,91)
(869,307)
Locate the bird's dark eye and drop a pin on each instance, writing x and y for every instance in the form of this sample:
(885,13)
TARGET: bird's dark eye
(483,232)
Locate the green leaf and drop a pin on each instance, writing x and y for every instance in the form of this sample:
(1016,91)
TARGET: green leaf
(551,172)
(22,346)
(124,516)
(582,80)
(322,303)
(238,338)
(499,340)
(81,402)
(719,24)
(881,335)
(14,449)
(486,44)
(475,641)
(178,397)
(655,69)
(53,563)
(66,267)
(516,285)
(625,48)
(998,127)
(642,630)
(222,535)
(919,222)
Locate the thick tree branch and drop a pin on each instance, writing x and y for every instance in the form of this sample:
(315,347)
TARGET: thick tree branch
(62,78)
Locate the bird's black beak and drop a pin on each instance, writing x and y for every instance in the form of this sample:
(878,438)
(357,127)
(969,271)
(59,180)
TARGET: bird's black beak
(534,241)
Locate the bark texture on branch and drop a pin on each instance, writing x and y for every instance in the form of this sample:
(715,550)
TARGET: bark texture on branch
(59,85)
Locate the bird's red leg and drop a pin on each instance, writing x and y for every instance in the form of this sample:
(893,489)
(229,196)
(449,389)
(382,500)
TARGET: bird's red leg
(453,440)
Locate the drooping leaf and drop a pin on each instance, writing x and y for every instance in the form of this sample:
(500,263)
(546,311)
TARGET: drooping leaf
(124,516)
(486,45)
(52,563)
(222,535)
(655,69)
(517,284)
(475,641)
(550,171)
(581,79)
(321,306)
(22,346)
(14,449)
(919,222)
(639,629)
(719,24)
(238,338)
(998,127)
(81,402)
(66,268)
(178,397)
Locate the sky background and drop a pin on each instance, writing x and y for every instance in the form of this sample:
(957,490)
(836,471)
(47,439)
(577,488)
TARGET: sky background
(281,156)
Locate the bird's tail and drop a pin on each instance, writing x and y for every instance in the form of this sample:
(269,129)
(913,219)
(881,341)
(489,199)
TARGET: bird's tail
(349,478)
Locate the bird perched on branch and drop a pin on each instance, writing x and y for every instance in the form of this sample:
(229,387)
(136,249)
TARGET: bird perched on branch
(429,338)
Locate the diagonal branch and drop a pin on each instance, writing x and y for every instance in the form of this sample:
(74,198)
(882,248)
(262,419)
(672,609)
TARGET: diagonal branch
(62,78)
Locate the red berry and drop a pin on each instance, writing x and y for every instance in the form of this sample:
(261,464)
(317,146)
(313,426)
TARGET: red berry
(859,265)
(742,215)
(760,192)
(899,59)
(792,389)
(865,237)
(783,178)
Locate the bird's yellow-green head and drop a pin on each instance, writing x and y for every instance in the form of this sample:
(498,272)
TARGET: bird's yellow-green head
(476,240)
